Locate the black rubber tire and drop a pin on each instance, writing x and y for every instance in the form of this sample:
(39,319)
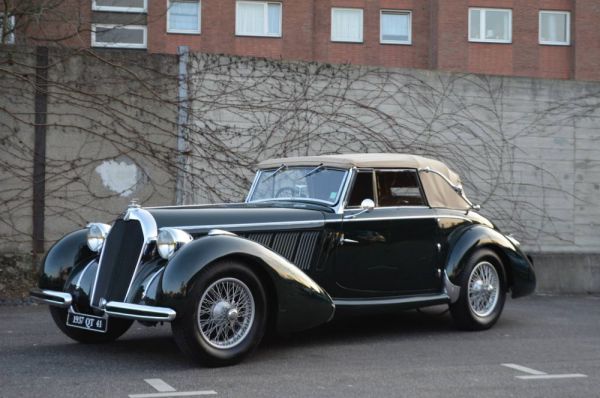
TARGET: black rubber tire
(185,327)
(461,311)
(116,328)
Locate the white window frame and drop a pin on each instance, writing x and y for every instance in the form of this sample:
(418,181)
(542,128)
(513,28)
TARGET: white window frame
(362,25)
(96,7)
(568,28)
(266,13)
(119,45)
(482,39)
(185,31)
(399,12)
(11,35)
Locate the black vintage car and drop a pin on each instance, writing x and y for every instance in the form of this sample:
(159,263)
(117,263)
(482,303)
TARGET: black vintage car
(317,236)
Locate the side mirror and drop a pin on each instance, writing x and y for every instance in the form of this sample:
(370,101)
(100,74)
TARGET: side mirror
(365,206)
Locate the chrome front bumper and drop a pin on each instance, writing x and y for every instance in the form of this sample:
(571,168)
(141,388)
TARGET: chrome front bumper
(116,309)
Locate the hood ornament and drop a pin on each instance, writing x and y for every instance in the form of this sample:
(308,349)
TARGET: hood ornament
(133,204)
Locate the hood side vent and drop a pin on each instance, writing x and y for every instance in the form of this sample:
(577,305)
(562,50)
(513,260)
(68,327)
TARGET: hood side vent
(297,247)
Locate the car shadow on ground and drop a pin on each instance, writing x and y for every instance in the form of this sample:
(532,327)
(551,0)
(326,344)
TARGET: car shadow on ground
(352,328)
(154,349)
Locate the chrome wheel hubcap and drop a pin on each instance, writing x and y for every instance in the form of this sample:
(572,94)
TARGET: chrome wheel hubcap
(483,289)
(226,313)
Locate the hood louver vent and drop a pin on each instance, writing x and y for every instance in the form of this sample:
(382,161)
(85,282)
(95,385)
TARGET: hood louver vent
(297,247)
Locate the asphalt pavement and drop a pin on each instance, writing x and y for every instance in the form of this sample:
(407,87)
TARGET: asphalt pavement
(543,346)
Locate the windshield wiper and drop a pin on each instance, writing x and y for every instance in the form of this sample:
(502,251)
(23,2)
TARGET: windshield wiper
(273,174)
(313,171)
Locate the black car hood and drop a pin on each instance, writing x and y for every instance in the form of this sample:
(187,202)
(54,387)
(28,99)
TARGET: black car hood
(236,217)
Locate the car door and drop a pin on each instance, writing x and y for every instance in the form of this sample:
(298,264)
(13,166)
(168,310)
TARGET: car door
(392,249)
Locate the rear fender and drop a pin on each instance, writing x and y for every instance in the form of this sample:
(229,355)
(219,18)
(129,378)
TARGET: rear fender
(521,276)
(301,303)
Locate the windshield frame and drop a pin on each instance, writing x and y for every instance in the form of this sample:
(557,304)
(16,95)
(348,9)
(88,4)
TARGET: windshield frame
(339,199)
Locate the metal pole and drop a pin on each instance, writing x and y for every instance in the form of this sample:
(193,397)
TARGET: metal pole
(182,120)
(39,149)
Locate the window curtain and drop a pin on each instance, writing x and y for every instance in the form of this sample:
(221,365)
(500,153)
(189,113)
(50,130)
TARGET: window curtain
(250,18)
(183,15)
(346,25)
(554,27)
(274,18)
(394,27)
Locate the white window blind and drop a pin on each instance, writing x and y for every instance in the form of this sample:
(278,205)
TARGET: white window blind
(555,27)
(120,5)
(347,25)
(257,18)
(183,16)
(490,25)
(395,27)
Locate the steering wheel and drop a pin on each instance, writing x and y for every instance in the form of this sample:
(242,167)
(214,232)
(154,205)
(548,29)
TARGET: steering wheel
(280,193)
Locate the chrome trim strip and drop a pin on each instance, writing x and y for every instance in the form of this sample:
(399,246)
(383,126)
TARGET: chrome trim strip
(149,228)
(253,186)
(313,224)
(398,218)
(452,290)
(78,283)
(52,297)
(139,312)
(150,280)
(391,301)
(214,232)
(136,269)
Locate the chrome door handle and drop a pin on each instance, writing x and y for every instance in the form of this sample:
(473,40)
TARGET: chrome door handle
(346,240)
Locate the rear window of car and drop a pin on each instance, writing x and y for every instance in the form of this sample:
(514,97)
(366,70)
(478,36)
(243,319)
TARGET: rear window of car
(398,188)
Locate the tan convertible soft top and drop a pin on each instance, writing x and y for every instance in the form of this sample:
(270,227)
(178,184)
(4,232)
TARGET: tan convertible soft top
(438,192)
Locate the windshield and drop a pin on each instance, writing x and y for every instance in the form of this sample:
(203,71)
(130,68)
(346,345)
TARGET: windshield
(315,183)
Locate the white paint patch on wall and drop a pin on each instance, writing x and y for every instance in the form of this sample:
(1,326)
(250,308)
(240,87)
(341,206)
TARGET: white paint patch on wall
(119,177)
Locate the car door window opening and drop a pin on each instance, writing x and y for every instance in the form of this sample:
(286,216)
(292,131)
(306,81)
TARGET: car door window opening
(398,188)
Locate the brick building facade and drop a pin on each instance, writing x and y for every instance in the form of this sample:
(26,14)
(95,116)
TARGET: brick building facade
(440,32)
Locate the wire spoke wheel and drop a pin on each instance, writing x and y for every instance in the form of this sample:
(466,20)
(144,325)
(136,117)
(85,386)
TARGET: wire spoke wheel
(483,289)
(226,313)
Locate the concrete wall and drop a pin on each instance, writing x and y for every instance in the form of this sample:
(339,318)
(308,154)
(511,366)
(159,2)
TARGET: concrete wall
(111,136)
(527,149)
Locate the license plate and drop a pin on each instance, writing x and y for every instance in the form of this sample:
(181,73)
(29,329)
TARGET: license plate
(87,322)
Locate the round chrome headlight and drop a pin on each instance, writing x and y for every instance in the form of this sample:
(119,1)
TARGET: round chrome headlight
(96,236)
(171,239)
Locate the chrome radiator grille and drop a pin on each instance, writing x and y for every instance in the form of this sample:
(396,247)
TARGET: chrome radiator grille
(297,247)
(120,256)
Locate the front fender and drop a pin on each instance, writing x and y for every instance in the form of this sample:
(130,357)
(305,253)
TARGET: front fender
(301,303)
(521,275)
(69,254)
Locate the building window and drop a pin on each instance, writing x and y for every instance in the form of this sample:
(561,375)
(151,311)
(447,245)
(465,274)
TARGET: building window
(555,28)
(119,36)
(395,27)
(490,25)
(120,5)
(183,16)
(258,18)
(10,37)
(347,25)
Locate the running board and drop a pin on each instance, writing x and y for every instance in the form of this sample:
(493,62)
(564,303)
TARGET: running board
(408,302)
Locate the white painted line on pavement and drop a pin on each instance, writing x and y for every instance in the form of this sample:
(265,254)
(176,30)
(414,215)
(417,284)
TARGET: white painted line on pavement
(538,374)
(159,385)
(524,369)
(173,394)
(543,377)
